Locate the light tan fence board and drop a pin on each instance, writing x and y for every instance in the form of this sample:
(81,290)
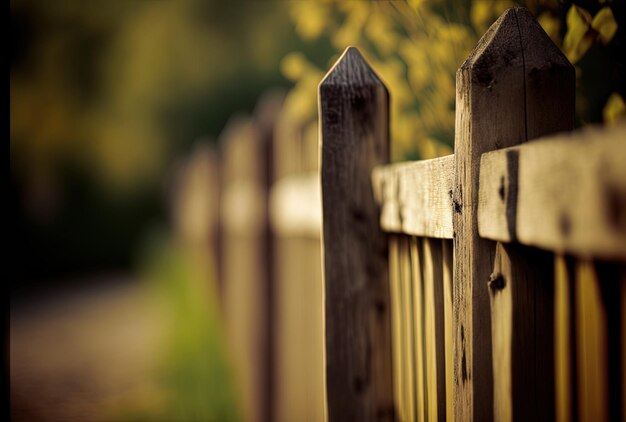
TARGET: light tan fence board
(570,193)
(416,197)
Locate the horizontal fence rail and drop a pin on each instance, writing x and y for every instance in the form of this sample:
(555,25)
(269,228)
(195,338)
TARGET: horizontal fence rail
(416,197)
(296,205)
(562,193)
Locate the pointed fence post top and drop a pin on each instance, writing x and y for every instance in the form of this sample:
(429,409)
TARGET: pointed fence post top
(354,105)
(351,69)
(354,136)
(539,49)
(514,87)
(514,39)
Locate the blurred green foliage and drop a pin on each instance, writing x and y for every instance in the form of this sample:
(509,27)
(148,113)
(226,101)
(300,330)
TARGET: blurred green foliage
(104,97)
(196,378)
(416,46)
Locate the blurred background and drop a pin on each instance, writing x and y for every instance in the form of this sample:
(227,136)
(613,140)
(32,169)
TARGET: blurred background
(165,260)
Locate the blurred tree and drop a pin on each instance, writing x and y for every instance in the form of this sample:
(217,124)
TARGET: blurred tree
(104,98)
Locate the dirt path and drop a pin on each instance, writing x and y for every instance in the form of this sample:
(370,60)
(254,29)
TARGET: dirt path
(84,355)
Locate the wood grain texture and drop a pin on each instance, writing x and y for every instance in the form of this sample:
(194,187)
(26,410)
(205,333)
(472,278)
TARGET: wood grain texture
(354,119)
(505,96)
(591,345)
(570,193)
(417,269)
(521,293)
(434,329)
(416,197)
(589,302)
(448,326)
(408,326)
(564,340)
(396,326)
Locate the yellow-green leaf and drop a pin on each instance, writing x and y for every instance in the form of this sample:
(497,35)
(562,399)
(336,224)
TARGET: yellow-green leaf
(614,109)
(604,23)
(480,14)
(579,37)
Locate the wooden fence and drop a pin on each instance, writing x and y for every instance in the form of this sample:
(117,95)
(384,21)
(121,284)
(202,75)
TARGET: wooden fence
(485,285)
(268,254)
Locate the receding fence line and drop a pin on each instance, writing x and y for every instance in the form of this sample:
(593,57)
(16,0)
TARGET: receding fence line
(485,285)
(483,325)
(269,259)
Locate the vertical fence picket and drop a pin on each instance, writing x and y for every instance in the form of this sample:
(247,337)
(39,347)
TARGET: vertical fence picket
(417,267)
(354,128)
(434,327)
(522,332)
(515,86)
(485,85)
(244,272)
(448,327)
(265,117)
(195,204)
(299,391)
(408,327)
(396,325)
(591,345)
(564,345)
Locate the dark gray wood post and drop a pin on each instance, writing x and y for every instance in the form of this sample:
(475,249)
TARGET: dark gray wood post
(354,128)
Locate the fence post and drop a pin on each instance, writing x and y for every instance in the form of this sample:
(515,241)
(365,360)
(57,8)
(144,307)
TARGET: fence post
(354,128)
(245,255)
(299,390)
(515,86)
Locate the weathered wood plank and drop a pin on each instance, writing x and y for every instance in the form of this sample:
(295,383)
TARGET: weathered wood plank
(434,329)
(354,128)
(570,193)
(408,339)
(522,329)
(448,327)
(504,90)
(501,335)
(416,197)
(591,347)
(396,325)
(564,342)
(417,259)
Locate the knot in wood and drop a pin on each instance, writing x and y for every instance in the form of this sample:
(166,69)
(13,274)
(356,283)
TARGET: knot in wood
(496,281)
